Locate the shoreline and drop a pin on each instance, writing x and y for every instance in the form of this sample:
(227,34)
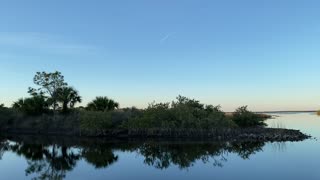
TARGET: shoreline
(227,134)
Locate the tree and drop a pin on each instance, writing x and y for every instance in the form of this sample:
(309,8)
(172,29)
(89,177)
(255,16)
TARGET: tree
(102,104)
(68,97)
(35,105)
(49,84)
(1,105)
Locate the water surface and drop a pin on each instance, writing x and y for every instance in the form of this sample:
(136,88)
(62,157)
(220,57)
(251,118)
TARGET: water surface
(27,157)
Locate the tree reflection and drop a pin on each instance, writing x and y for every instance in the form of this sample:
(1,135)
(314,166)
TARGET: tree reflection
(4,146)
(47,162)
(100,157)
(54,158)
(246,149)
(162,156)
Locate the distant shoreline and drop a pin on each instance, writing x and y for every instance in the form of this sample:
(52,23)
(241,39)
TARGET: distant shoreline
(311,111)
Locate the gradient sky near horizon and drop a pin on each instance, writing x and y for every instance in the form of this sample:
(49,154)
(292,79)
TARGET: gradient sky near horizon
(265,54)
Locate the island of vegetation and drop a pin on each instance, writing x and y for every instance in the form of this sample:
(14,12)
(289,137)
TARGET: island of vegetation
(51,110)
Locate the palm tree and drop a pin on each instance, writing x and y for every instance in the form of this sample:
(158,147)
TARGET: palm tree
(33,105)
(68,97)
(102,104)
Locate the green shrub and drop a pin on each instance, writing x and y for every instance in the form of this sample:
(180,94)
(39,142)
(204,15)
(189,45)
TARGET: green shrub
(121,117)
(184,113)
(156,115)
(245,118)
(95,120)
(216,118)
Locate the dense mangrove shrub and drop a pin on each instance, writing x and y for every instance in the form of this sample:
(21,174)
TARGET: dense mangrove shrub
(155,116)
(121,117)
(216,118)
(183,113)
(245,118)
(98,120)
(95,120)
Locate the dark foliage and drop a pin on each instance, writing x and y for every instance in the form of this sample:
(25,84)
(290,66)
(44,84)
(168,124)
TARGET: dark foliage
(68,97)
(49,84)
(35,105)
(184,113)
(102,104)
(7,116)
(245,118)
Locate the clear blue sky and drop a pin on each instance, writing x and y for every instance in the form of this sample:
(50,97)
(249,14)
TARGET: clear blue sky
(265,54)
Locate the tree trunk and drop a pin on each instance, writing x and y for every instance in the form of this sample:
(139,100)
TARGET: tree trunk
(65,107)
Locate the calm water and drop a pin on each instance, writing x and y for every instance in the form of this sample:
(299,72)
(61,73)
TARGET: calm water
(55,158)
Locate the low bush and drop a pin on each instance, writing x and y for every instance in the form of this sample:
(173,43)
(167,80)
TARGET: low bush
(98,120)
(95,120)
(245,118)
(183,113)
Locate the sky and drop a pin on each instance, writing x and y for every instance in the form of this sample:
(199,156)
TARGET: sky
(260,53)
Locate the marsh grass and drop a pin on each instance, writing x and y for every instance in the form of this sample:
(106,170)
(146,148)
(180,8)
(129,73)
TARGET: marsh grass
(278,125)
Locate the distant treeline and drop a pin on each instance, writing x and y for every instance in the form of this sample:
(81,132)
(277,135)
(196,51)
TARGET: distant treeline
(52,105)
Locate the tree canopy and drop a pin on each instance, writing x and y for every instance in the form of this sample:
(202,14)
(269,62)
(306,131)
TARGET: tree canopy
(49,84)
(102,104)
(35,105)
(68,97)
(52,93)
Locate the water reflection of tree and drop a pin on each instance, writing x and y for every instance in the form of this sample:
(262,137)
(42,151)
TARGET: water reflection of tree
(4,146)
(55,158)
(101,156)
(54,161)
(47,162)
(184,155)
(245,149)
(162,156)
